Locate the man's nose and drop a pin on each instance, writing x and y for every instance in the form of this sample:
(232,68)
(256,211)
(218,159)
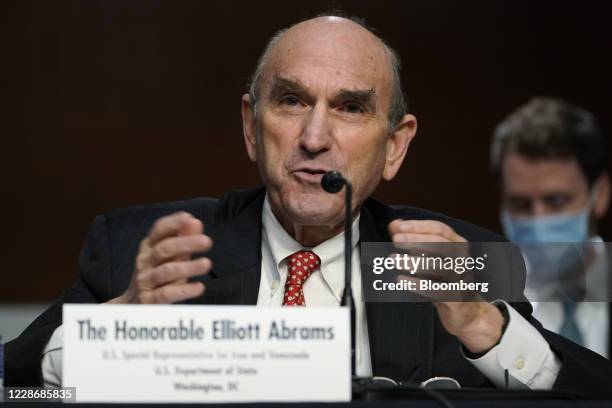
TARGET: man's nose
(539,209)
(316,135)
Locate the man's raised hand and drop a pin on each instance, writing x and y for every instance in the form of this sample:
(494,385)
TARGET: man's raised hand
(477,324)
(164,264)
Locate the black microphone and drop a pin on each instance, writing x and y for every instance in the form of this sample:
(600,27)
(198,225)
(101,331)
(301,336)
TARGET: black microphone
(332,182)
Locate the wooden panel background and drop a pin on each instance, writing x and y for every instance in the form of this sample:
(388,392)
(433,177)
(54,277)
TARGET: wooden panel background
(112,103)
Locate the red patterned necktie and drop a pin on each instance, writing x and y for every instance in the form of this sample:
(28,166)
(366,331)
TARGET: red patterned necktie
(299,267)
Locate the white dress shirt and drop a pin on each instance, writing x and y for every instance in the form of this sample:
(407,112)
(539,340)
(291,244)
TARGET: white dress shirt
(522,350)
(323,287)
(592,317)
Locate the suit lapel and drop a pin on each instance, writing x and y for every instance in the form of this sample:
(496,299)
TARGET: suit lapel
(401,334)
(236,254)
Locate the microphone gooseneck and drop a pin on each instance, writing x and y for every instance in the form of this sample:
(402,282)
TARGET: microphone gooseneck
(332,182)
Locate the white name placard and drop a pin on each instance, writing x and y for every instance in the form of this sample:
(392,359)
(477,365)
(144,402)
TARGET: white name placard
(188,353)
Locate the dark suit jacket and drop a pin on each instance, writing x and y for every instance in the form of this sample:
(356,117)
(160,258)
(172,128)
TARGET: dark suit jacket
(406,339)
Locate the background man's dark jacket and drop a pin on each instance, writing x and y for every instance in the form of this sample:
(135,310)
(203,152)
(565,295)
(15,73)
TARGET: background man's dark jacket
(406,339)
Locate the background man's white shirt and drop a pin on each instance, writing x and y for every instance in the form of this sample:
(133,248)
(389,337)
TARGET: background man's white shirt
(592,317)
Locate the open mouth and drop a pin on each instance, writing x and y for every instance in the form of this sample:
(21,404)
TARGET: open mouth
(310,175)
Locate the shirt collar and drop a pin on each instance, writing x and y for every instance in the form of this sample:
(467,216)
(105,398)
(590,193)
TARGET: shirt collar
(282,245)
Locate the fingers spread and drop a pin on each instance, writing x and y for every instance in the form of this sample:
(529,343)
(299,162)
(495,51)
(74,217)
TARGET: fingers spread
(425,227)
(192,226)
(174,224)
(411,237)
(174,271)
(174,293)
(171,248)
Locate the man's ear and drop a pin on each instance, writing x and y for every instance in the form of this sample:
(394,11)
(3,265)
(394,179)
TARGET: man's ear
(602,199)
(397,145)
(248,126)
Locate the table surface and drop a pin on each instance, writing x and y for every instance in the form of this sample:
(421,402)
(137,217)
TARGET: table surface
(416,401)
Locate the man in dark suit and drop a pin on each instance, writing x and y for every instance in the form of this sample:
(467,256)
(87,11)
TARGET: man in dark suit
(317,103)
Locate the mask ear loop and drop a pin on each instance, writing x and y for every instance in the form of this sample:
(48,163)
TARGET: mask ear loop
(590,206)
(593,196)
(591,222)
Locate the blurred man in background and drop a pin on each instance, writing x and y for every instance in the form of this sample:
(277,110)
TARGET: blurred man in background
(550,159)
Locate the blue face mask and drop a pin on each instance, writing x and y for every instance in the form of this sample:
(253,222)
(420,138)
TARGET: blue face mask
(539,239)
(550,228)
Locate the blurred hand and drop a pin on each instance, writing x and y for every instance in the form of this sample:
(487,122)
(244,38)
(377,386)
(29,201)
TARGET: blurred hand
(164,263)
(478,325)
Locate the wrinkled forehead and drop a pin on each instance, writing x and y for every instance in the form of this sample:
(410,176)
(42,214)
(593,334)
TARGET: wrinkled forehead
(331,55)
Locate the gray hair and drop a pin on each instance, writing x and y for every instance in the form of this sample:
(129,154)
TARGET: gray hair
(399,105)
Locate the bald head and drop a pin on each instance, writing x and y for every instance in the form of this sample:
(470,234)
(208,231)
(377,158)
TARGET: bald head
(331,38)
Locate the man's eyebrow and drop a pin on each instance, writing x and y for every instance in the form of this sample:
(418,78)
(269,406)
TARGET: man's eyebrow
(366,97)
(282,85)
